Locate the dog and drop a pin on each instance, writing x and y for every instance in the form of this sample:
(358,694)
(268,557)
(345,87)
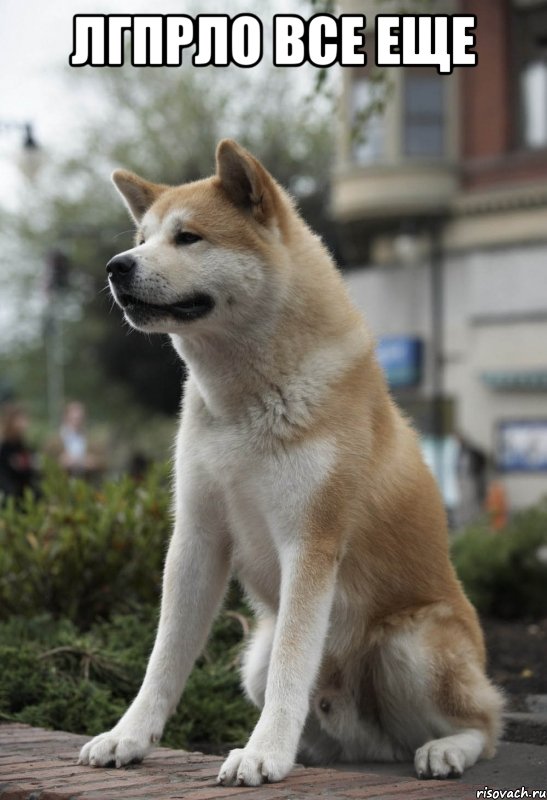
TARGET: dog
(295,471)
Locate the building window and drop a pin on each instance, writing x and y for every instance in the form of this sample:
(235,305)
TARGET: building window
(423,114)
(534,104)
(531,55)
(368,129)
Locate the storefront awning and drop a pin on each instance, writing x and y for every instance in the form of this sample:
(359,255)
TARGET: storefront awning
(516,380)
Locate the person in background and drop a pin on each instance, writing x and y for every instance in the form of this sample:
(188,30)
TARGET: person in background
(75,454)
(18,470)
(496,503)
(139,465)
(471,469)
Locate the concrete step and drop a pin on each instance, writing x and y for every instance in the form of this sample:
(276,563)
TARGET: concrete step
(522,726)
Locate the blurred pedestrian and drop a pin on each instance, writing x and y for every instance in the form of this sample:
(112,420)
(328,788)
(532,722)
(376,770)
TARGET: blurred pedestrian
(497,506)
(472,466)
(18,469)
(139,464)
(74,452)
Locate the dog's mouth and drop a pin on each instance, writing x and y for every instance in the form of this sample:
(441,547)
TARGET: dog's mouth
(188,308)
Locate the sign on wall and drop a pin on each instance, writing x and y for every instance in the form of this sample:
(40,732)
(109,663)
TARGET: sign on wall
(401,358)
(522,446)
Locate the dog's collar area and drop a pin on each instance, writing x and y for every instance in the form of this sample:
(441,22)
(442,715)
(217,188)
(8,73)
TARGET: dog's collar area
(190,307)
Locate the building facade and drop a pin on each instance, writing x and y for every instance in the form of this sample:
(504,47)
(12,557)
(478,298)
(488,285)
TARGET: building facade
(440,194)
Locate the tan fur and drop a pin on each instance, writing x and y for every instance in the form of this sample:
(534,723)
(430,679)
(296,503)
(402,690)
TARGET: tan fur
(336,526)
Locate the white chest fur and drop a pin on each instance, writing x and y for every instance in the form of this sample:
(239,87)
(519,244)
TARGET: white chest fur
(266,490)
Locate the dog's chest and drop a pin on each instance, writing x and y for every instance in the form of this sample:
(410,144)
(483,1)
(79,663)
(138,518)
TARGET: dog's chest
(268,496)
(268,490)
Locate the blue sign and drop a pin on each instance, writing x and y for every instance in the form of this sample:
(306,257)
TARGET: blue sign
(401,358)
(522,445)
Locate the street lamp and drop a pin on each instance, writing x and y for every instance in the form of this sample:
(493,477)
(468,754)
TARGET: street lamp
(57,282)
(29,162)
(29,141)
(26,128)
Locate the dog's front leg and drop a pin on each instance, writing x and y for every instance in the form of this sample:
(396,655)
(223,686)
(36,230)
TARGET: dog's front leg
(307,587)
(195,577)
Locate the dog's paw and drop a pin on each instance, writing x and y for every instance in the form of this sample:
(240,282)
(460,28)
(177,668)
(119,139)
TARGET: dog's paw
(251,767)
(114,749)
(439,759)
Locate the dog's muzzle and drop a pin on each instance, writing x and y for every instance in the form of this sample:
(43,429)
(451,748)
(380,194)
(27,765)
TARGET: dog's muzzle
(121,274)
(121,268)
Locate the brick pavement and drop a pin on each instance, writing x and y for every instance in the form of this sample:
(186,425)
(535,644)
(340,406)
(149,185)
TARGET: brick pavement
(36,764)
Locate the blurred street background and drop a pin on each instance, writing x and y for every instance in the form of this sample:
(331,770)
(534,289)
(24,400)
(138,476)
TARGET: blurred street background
(429,189)
(431,192)
(442,212)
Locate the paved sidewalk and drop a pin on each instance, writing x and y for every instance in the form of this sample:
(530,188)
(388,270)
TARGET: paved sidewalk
(36,764)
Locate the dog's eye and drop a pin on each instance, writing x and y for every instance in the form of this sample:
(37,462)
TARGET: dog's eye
(185,237)
(141,241)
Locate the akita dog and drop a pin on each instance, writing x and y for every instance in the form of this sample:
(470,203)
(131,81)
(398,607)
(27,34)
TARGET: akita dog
(296,472)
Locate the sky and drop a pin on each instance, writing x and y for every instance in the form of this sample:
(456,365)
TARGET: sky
(35,43)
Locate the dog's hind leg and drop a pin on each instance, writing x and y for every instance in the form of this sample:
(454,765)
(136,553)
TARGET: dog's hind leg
(256,660)
(449,756)
(434,694)
(471,707)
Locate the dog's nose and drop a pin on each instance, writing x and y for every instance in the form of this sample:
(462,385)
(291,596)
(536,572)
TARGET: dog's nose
(120,266)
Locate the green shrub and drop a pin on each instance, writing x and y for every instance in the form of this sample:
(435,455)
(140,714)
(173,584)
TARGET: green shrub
(54,676)
(80,552)
(80,576)
(502,572)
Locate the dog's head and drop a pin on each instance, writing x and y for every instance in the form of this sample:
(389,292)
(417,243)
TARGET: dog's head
(203,250)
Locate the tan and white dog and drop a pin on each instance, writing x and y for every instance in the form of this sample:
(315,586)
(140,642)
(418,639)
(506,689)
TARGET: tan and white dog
(296,472)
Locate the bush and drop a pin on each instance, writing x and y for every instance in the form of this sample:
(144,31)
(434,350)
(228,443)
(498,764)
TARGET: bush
(54,676)
(79,552)
(80,576)
(502,572)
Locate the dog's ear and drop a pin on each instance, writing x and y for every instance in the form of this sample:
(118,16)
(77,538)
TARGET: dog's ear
(246,182)
(138,194)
